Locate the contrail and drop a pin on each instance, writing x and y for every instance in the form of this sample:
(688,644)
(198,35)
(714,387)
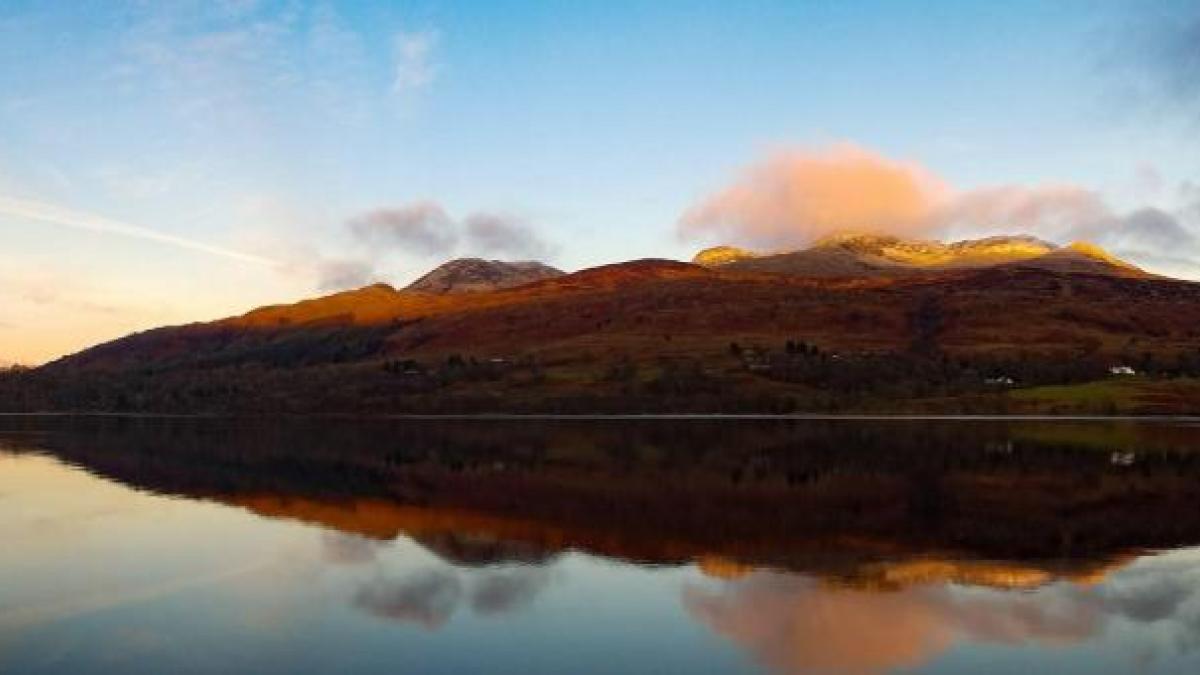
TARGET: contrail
(49,213)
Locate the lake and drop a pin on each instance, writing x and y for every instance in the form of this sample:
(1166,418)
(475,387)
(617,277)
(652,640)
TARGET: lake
(572,546)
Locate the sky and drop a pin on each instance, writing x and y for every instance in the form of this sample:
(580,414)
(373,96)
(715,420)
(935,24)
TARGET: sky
(164,162)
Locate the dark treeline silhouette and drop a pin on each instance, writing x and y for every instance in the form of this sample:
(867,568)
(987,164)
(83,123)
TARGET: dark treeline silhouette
(793,376)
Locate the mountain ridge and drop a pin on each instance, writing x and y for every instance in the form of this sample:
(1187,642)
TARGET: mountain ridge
(886,255)
(657,334)
(468,275)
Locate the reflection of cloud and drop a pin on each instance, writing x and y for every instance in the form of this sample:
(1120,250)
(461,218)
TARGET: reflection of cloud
(497,592)
(1162,589)
(795,624)
(427,598)
(430,597)
(348,549)
(15,618)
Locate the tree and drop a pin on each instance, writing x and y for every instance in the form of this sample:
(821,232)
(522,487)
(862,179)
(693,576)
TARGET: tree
(926,322)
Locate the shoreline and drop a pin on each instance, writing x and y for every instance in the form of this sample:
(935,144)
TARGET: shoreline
(600,417)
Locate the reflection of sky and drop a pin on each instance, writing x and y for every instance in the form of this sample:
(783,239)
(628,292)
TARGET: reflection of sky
(94,574)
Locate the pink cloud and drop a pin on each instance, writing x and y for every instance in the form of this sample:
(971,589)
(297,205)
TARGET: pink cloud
(796,197)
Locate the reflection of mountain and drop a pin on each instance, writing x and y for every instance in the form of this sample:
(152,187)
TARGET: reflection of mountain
(879,506)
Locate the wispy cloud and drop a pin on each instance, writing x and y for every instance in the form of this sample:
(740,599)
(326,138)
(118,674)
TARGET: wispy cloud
(58,292)
(49,213)
(1152,55)
(1174,57)
(336,275)
(414,68)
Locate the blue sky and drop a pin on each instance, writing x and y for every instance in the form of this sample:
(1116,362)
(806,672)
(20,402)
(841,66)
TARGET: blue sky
(136,136)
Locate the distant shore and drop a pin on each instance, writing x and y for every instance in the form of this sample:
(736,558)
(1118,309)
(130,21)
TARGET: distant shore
(600,417)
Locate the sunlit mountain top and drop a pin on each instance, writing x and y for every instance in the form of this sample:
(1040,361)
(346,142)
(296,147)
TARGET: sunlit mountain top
(854,254)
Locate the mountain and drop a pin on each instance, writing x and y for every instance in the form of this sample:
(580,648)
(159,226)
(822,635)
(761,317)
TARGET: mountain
(722,255)
(848,323)
(872,255)
(466,275)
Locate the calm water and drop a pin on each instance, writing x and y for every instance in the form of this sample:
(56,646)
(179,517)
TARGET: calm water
(702,547)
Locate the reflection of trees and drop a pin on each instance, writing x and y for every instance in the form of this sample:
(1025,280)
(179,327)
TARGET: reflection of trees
(826,497)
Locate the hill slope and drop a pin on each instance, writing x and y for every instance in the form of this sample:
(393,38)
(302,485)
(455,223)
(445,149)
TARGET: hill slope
(637,335)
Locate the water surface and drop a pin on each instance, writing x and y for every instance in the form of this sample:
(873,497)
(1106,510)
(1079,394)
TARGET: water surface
(634,546)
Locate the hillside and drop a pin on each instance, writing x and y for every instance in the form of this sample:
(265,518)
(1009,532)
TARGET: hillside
(856,322)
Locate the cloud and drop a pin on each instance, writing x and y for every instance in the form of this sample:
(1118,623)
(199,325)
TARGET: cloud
(1149,236)
(414,68)
(427,598)
(1189,194)
(492,234)
(235,72)
(1151,227)
(1051,211)
(796,197)
(793,198)
(422,227)
(1151,58)
(1174,54)
(337,275)
(57,215)
(39,287)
